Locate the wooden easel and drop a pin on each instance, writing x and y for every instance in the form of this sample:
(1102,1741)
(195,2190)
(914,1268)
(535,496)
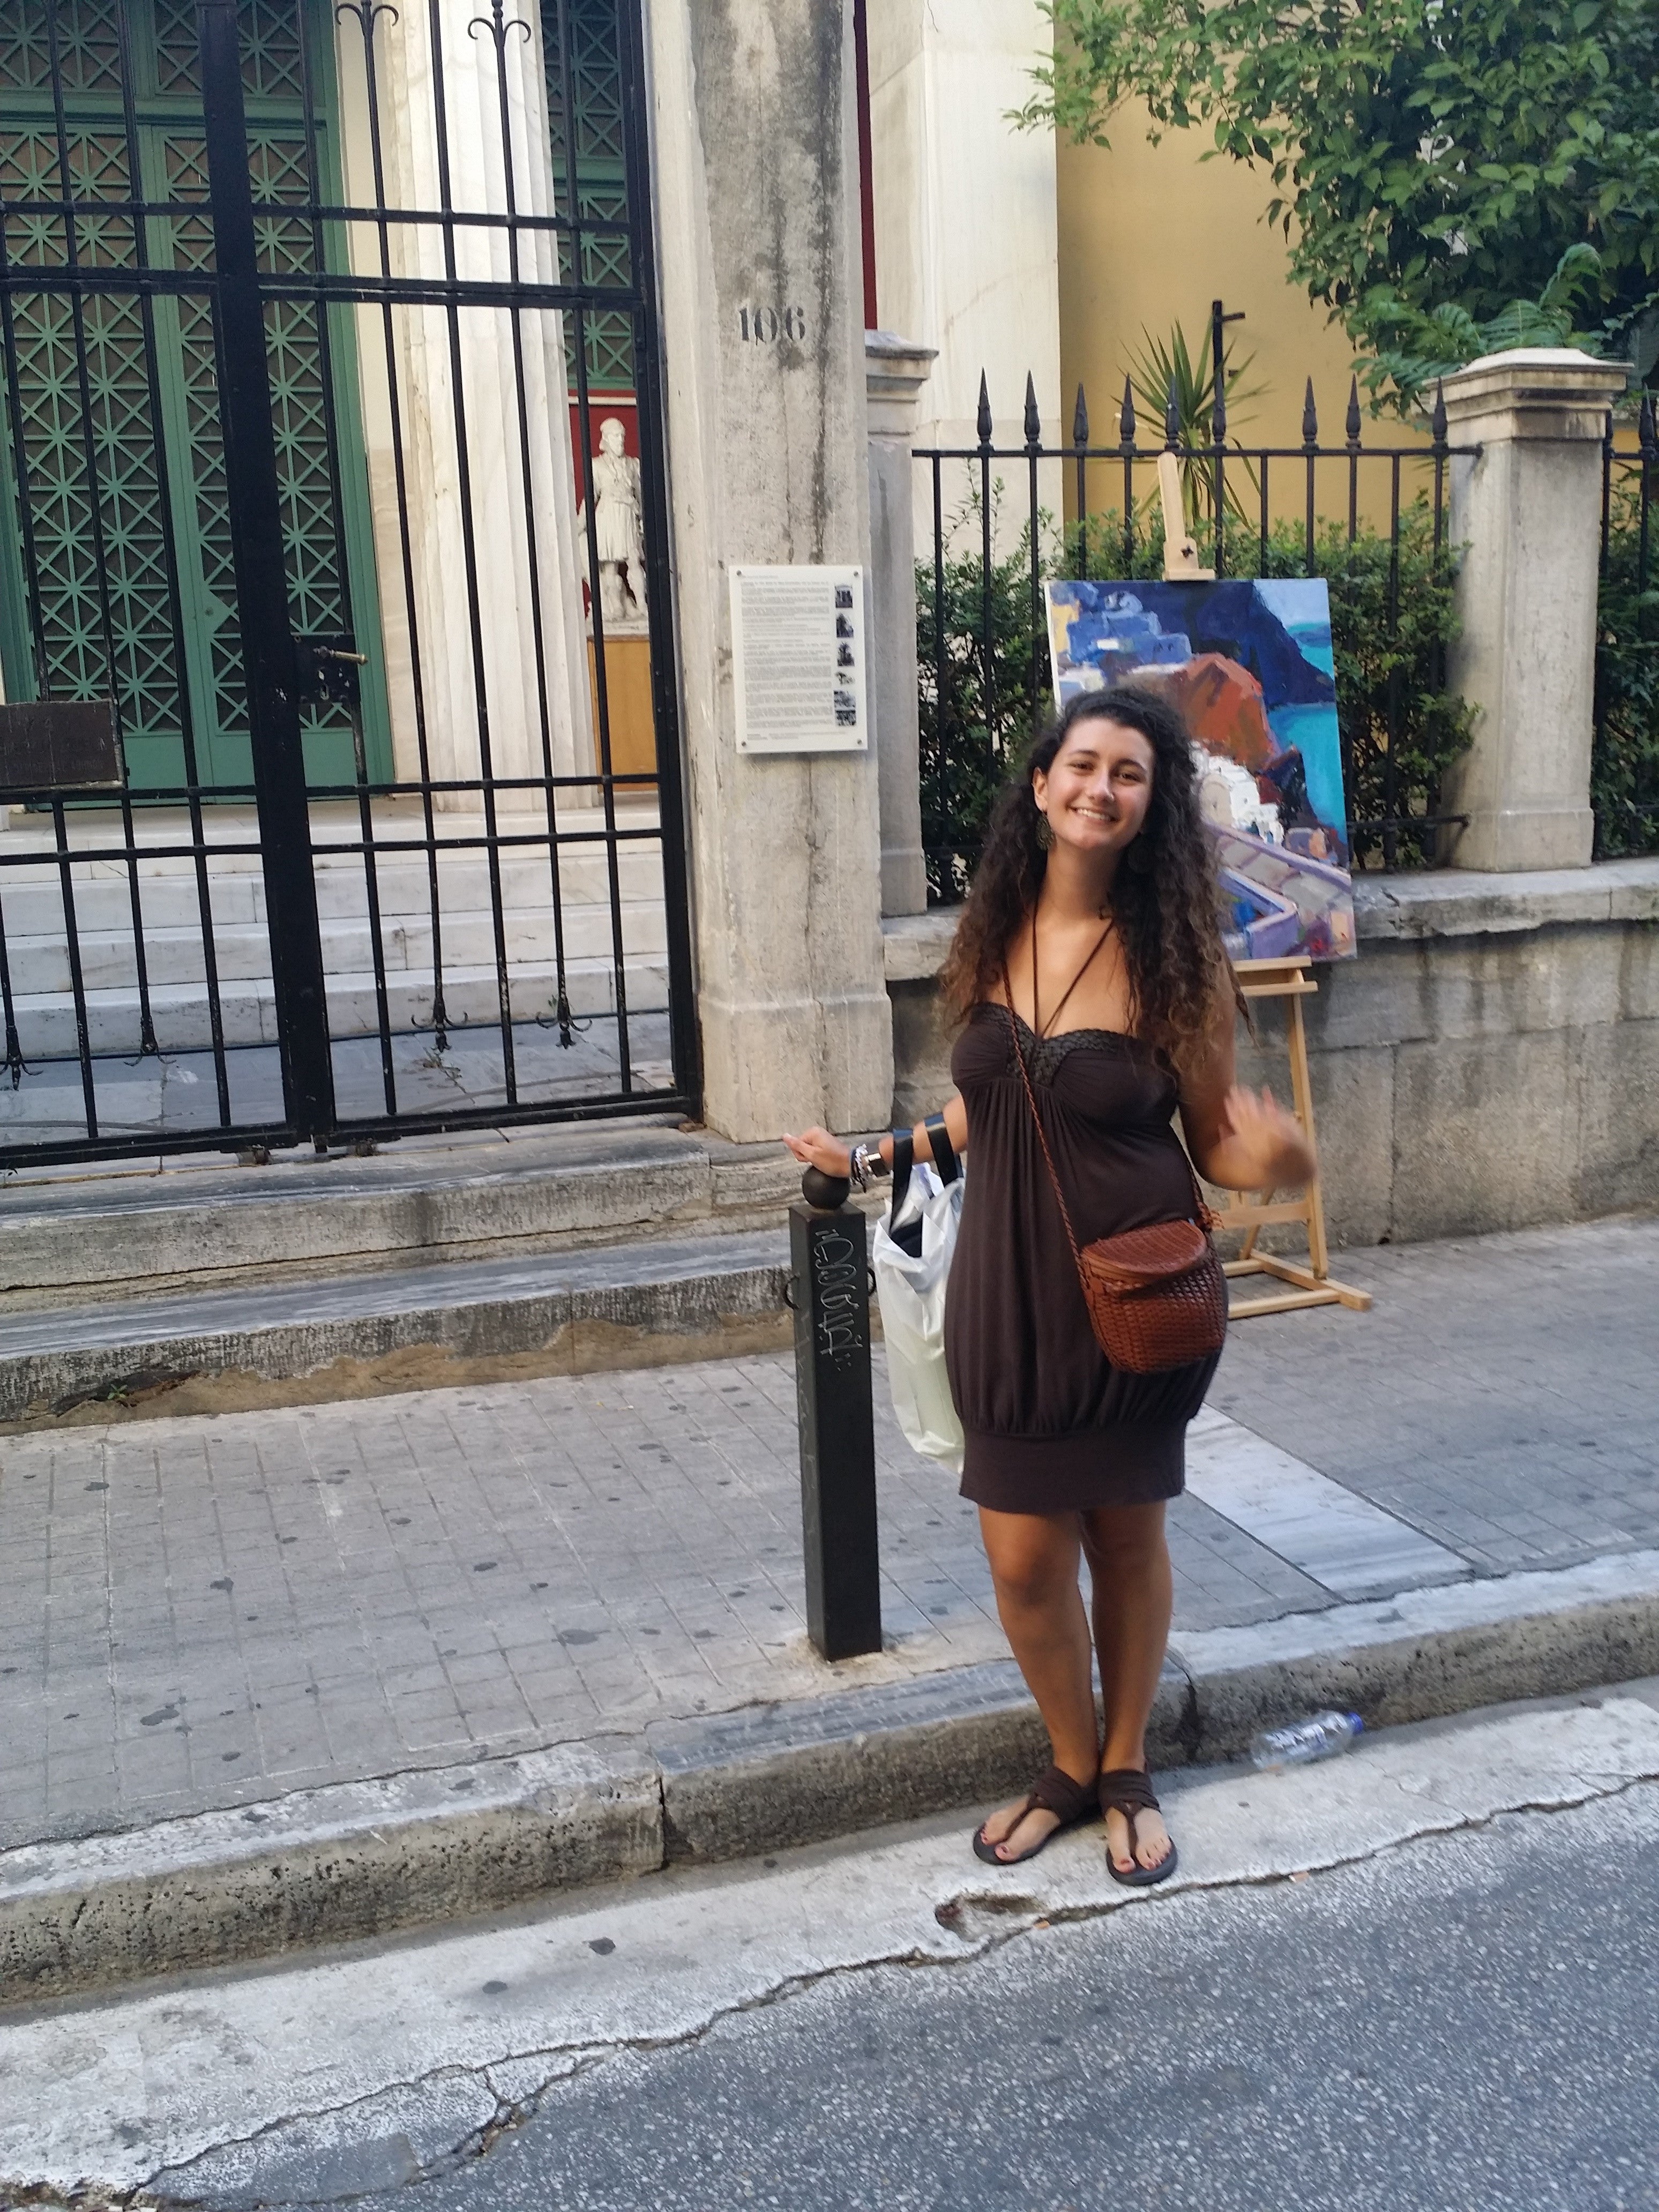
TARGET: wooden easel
(1308,1284)
(1181,564)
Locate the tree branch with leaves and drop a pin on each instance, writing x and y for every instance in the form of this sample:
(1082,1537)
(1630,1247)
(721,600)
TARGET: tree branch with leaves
(1448,174)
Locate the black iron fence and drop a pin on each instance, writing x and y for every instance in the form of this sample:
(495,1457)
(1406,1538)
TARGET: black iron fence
(1625,775)
(330,458)
(1369,517)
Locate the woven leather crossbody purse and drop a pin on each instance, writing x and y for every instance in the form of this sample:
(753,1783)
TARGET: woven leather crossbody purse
(1157,1297)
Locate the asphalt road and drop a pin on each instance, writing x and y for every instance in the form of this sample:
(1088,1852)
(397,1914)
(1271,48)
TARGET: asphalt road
(1419,1979)
(1472,2021)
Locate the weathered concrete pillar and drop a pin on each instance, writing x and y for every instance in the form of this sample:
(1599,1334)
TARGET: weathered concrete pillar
(895,371)
(755,149)
(1525,511)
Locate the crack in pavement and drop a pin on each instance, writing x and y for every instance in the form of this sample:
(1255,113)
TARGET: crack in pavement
(161,2188)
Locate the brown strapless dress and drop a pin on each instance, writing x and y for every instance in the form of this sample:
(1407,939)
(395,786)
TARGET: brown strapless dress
(1051,1426)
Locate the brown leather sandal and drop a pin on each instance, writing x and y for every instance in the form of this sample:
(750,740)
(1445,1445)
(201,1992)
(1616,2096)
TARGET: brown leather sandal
(1129,1791)
(1070,1802)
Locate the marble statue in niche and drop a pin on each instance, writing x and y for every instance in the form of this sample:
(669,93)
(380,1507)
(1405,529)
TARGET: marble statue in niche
(619,546)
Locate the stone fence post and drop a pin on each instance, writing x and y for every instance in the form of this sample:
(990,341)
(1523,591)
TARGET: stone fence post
(895,373)
(1525,513)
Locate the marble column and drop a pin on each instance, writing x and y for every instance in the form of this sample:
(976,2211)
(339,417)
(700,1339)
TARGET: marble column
(895,373)
(1525,513)
(756,154)
(518,507)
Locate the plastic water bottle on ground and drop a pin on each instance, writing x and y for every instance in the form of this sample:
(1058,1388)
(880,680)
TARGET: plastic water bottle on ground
(1323,1736)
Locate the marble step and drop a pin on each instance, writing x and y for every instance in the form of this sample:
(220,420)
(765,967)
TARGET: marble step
(71,1236)
(31,901)
(651,1302)
(40,962)
(47,1020)
(550,1249)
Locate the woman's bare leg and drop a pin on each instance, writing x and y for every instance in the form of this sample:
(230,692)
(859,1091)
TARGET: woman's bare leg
(1034,1564)
(1133,1596)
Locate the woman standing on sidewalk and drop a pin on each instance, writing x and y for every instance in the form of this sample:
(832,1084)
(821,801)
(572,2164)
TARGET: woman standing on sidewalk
(1090,943)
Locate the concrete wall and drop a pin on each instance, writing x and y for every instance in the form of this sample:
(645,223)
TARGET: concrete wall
(967,259)
(1121,211)
(1490,1061)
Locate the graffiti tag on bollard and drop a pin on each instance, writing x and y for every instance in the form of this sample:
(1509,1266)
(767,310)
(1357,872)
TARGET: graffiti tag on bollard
(841,1300)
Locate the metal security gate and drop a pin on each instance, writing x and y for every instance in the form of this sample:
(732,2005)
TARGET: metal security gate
(332,458)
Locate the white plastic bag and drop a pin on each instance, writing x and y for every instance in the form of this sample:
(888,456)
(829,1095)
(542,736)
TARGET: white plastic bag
(910,1287)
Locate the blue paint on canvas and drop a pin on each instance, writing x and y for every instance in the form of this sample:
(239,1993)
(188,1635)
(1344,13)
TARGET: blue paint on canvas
(1251,665)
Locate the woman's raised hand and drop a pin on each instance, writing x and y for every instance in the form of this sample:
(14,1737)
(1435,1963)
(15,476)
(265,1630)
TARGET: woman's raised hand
(1267,1146)
(817,1148)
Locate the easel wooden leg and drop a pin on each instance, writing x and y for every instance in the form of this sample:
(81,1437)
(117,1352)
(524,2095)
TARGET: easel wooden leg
(1311,1284)
(1301,1099)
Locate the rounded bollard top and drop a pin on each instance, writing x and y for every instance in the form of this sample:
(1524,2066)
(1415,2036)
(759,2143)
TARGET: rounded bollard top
(826,1192)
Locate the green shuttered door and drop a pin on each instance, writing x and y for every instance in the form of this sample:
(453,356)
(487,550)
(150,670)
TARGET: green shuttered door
(115,572)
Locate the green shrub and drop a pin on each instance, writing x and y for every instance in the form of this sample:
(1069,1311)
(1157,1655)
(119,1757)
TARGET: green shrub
(1390,628)
(1624,774)
(984,689)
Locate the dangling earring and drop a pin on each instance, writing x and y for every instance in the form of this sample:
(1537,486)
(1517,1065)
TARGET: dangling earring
(1045,832)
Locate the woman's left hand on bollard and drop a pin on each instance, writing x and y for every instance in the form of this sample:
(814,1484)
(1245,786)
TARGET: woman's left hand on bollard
(817,1148)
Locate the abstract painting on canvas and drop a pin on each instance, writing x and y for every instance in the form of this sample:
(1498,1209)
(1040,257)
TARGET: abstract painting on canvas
(1249,664)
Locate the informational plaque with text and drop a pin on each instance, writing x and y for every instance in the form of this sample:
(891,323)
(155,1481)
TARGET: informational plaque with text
(797,646)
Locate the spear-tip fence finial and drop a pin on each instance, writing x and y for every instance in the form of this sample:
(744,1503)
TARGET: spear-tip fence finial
(366,13)
(1351,426)
(1033,420)
(1647,432)
(1310,418)
(1125,417)
(984,424)
(1172,417)
(1438,420)
(1080,420)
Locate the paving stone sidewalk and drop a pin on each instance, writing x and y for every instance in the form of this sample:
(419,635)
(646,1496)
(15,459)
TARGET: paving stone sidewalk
(202,1612)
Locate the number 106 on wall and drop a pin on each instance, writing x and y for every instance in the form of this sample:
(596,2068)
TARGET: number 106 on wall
(766,325)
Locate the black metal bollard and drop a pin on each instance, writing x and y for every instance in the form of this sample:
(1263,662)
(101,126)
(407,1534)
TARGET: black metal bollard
(830,1291)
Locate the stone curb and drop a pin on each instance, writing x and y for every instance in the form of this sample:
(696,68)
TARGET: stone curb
(352,1859)
(362,1859)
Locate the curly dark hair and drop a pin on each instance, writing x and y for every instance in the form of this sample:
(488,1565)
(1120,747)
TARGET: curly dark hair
(1165,895)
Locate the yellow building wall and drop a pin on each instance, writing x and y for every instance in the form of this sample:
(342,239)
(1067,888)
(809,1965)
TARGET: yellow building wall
(1149,236)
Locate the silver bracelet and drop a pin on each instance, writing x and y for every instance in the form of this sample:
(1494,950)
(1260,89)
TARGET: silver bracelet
(867,1165)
